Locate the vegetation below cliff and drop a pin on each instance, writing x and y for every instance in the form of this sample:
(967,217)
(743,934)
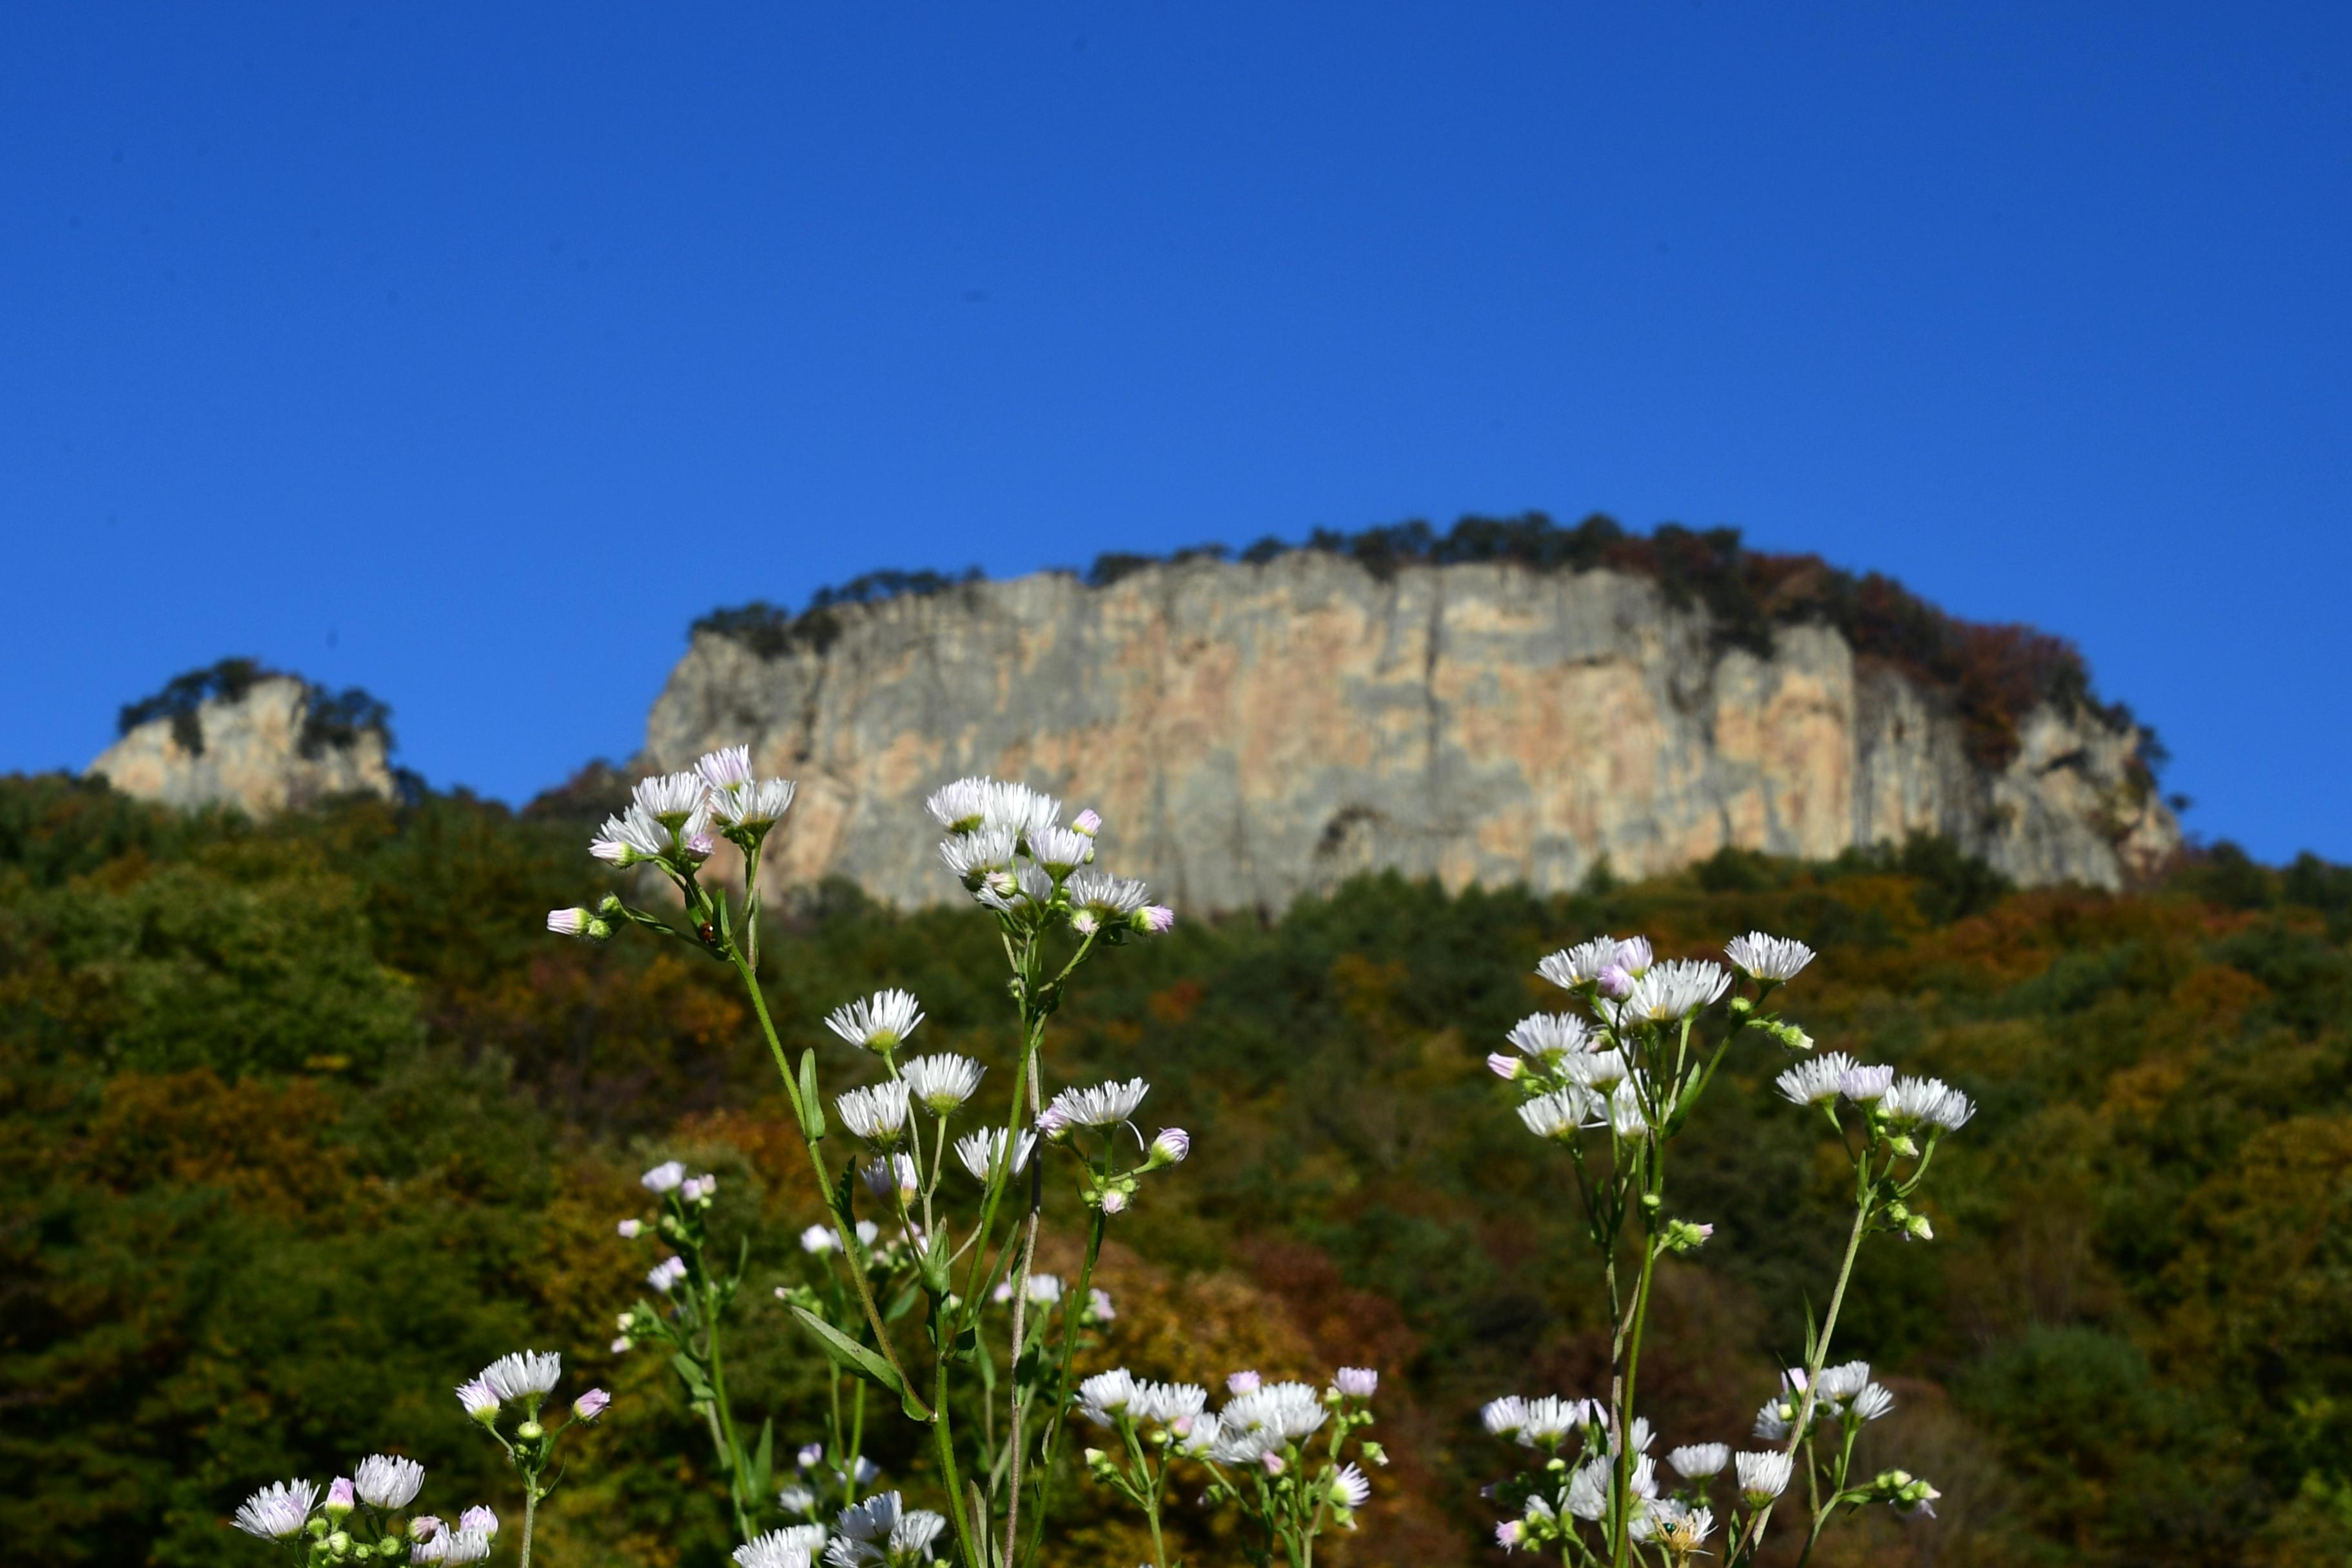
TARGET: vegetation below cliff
(307,1120)
(1995,674)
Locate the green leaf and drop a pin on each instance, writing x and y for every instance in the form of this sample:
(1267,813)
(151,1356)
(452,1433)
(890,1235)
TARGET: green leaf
(696,1385)
(812,1107)
(763,1463)
(848,1354)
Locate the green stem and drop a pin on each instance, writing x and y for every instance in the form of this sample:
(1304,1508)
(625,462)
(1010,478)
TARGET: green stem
(1620,1508)
(735,1465)
(529,1513)
(841,1217)
(1073,1308)
(943,1441)
(1150,1497)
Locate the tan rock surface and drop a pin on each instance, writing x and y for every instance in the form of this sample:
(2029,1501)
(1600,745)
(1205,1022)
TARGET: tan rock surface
(1252,731)
(251,757)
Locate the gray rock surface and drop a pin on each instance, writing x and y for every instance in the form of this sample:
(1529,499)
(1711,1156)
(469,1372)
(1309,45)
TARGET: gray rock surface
(251,757)
(1254,732)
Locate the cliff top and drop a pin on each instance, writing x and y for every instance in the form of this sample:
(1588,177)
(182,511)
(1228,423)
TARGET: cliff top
(1995,674)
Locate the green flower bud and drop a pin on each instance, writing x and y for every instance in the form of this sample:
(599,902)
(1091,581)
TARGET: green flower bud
(530,1432)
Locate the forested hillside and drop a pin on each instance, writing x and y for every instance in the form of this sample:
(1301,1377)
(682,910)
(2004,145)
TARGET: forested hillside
(305,1121)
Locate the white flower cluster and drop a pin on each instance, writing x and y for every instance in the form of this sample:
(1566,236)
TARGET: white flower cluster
(1006,845)
(1577,1437)
(1843,1395)
(883,1531)
(676,819)
(1900,1102)
(377,1488)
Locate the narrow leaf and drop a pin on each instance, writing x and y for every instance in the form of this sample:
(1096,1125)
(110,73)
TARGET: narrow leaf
(848,1354)
(812,1107)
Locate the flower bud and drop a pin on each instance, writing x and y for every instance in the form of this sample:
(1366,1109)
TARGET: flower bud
(1274,1463)
(1917,1228)
(531,1432)
(623,1345)
(1169,1148)
(1114,1202)
(630,1228)
(340,1500)
(1505,1066)
(591,1404)
(1376,1454)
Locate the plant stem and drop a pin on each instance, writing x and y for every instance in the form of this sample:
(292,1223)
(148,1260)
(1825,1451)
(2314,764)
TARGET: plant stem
(1621,1504)
(530,1511)
(737,1482)
(840,1217)
(1073,1308)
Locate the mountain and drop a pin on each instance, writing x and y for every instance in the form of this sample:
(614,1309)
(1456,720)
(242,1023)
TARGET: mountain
(1523,704)
(257,739)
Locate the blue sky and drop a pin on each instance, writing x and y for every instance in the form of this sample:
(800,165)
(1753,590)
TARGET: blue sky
(468,353)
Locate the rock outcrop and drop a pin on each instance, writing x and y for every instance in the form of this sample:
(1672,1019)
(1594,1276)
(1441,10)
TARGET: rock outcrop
(1252,731)
(259,746)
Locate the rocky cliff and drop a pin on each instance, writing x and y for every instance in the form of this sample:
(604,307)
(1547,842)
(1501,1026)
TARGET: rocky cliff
(261,742)
(1254,730)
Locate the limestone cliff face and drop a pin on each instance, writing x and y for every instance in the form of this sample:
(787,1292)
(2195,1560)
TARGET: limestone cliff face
(1253,731)
(251,755)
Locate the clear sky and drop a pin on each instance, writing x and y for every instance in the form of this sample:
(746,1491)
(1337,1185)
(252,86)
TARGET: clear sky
(467,352)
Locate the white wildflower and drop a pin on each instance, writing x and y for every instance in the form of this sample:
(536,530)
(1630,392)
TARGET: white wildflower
(1107,1396)
(941,1083)
(1626,1115)
(1909,1102)
(1816,1081)
(980,1151)
(278,1510)
(1580,964)
(756,806)
(1059,850)
(1546,1037)
(1587,1489)
(1560,1114)
(1670,991)
(1762,1476)
(877,1112)
(671,799)
(1017,809)
(523,1375)
(387,1480)
(1504,1417)
(629,838)
(1350,1486)
(1546,1422)
(664,1177)
(977,857)
(1601,1070)
(880,1022)
(1864,1084)
(960,807)
(777,1549)
(1761,957)
(1096,1105)
(1698,1461)
(728,768)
